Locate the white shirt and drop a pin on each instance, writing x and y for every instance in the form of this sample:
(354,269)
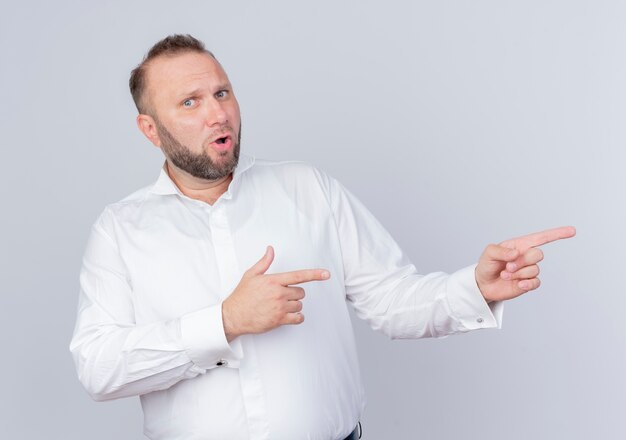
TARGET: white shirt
(158,265)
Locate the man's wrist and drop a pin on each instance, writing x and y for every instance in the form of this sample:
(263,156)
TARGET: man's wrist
(481,287)
(229,328)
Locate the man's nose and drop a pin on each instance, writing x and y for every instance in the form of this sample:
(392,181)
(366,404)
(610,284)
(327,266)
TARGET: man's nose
(216,114)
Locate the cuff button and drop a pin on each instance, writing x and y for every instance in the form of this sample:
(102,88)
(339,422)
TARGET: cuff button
(222,363)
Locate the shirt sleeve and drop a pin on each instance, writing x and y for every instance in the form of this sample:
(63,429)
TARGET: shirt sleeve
(387,291)
(114,356)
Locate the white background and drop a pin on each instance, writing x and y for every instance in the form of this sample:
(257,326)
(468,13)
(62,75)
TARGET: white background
(458,123)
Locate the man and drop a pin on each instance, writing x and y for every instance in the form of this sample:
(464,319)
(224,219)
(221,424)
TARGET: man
(177,307)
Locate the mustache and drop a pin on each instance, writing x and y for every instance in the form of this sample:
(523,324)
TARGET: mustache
(225,130)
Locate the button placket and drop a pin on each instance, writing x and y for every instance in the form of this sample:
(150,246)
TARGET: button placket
(224,249)
(230,274)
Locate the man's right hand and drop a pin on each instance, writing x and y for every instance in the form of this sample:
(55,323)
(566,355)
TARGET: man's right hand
(262,302)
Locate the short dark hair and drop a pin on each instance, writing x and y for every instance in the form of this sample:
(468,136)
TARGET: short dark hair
(168,46)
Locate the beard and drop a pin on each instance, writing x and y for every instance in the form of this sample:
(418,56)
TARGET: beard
(198,165)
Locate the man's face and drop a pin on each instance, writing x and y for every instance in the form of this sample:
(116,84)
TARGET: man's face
(196,114)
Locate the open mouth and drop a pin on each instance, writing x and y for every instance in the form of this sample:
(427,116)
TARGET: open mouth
(222,144)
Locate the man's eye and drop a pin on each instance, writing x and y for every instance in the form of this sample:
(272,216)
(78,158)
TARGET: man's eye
(189,102)
(221,94)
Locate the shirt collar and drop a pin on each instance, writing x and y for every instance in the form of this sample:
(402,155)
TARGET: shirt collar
(164,184)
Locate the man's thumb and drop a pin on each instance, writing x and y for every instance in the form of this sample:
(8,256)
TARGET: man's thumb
(261,266)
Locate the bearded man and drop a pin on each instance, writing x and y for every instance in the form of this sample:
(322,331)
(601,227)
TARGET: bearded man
(176,306)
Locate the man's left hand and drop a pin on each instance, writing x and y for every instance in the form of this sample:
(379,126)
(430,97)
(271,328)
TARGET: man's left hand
(510,269)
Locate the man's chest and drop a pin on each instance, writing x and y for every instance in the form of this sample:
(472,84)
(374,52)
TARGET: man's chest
(182,258)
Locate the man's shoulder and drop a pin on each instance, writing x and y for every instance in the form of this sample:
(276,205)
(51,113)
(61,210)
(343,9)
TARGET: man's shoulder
(290,170)
(134,199)
(125,208)
(281,165)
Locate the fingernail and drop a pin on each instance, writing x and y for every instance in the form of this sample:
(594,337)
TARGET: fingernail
(523,285)
(511,267)
(325,274)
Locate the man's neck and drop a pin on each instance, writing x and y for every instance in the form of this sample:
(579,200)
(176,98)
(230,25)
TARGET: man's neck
(207,191)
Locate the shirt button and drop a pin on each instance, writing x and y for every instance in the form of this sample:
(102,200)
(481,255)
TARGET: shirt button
(222,362)
(479,320)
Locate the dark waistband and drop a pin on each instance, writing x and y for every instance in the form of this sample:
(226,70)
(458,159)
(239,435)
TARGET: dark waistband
(356,434)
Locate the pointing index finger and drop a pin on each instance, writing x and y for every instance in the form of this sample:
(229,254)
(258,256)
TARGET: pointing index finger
(540,238)
(301,276)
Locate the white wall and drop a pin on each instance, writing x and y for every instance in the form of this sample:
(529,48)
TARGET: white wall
(458,123)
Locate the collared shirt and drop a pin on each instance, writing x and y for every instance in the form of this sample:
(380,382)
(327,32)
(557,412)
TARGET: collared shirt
(158,266)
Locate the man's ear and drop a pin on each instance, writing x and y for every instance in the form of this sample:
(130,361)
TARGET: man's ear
(147,126)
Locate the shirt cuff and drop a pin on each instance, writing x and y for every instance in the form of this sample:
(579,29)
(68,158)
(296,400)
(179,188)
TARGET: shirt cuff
(467,303)
(204,339)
